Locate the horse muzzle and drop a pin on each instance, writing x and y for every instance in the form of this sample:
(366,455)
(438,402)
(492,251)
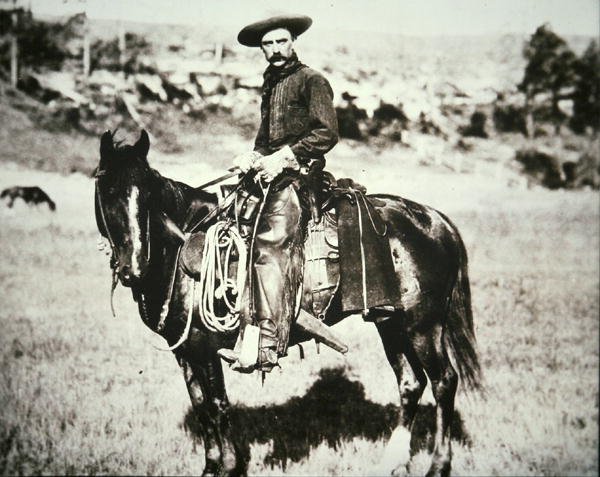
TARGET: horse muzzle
(130,276)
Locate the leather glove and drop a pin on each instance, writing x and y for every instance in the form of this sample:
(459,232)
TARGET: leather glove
(269,167)
(247,160)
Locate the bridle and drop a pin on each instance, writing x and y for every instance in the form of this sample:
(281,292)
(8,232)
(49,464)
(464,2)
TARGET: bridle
(114,261)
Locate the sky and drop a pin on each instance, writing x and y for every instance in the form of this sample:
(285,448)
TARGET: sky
(408,17)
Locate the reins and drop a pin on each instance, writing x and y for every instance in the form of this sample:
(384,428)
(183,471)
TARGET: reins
(99,174)
(213,273)
(207,314)
(114,262)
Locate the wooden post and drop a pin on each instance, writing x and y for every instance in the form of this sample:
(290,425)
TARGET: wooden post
(122,46)
(529,123)
(14,66)
(218,53)
(86,48)
(14,51)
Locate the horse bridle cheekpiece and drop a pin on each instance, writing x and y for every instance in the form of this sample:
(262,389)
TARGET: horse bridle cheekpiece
(114,260)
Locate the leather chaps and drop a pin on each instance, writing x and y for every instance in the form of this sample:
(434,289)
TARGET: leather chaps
(278,266)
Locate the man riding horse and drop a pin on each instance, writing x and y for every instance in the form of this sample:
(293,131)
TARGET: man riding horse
(298,127)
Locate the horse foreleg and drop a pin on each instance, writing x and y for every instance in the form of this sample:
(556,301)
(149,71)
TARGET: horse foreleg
(411,384)
(444,381)
(212,451)
(210,404)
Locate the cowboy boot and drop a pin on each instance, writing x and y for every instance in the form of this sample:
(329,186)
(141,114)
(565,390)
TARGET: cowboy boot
(267,353)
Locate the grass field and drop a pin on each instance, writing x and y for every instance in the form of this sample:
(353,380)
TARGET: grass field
(82,392)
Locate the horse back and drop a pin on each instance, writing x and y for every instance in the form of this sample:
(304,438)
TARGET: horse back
(426,247)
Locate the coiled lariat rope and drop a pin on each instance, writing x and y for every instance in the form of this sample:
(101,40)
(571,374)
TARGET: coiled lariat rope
(223,242)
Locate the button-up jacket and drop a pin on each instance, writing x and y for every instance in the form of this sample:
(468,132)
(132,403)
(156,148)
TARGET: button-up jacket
(300,114)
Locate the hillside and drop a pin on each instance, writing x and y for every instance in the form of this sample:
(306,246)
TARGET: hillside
(419,96)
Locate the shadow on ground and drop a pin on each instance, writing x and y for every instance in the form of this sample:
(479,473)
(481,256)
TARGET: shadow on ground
(333,410)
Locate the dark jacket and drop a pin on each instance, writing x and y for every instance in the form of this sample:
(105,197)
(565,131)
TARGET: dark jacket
(300,114)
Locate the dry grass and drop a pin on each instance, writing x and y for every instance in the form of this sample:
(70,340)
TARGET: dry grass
(84,393)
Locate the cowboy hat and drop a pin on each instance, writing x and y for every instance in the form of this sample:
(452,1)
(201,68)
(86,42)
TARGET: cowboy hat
(252,34)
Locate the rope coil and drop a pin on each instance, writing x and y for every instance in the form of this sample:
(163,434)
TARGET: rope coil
(223,240)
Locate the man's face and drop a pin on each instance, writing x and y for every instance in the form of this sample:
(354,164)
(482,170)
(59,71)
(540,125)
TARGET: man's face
(278,46)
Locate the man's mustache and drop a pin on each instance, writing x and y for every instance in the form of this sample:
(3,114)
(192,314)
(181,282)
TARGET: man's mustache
(277,57)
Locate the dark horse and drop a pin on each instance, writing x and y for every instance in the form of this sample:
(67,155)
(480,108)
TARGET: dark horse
(431,336)
(30,195)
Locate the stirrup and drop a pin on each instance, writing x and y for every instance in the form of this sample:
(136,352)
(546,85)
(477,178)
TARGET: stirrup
(232,357)
(267,359)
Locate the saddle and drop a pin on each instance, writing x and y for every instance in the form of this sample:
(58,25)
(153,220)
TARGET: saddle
(346,248)
(354,252)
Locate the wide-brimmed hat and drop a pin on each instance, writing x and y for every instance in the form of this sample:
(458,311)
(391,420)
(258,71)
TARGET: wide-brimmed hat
(252,34)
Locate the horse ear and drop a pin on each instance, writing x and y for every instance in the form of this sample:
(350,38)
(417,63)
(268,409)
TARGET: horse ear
(143,144)
(106,144)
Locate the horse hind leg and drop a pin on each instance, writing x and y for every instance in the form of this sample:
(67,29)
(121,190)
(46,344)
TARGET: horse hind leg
(444,382)
(411,381)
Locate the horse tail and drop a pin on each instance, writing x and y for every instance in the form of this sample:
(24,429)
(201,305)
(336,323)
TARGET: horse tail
(459,334)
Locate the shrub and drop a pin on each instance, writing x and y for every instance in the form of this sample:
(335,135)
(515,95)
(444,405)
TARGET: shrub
(476,128)
(41,44)
(106,54)
(510,118)
(541,167)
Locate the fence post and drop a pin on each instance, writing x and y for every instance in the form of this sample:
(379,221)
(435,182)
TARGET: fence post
(14,66)
(14,50)
(121,43)
(86,47)
(218,53)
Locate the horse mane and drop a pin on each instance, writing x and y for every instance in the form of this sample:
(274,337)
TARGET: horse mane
(174,197)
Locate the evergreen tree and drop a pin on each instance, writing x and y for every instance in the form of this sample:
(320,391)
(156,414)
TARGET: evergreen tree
(550,69)
(586,97)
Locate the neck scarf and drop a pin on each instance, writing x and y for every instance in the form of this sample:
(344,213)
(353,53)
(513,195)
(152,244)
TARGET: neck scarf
(274,74)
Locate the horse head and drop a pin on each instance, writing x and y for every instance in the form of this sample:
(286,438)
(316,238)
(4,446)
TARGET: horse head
(123,205)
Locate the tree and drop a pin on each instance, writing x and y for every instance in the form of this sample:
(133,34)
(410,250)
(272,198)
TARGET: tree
(586,97)
(550,69)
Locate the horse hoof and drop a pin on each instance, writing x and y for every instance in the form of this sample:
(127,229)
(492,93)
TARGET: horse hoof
(436,471)
(400,471)
(211,469)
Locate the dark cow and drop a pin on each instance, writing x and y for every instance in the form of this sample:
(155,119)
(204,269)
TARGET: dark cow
(30,195)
